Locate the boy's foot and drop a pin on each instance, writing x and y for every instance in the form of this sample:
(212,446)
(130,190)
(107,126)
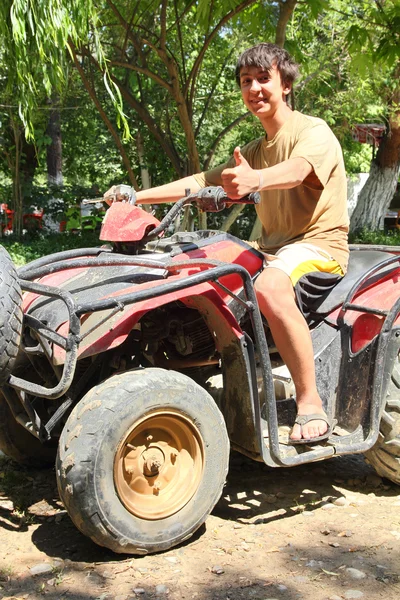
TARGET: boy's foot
(311,423)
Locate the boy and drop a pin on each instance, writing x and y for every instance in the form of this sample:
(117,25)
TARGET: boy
(298,169)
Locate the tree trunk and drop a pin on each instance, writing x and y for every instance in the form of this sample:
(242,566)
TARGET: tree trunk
(144,172)
(231,218)
(54,150)
(54,163)
(16,178)
(21,159)
(378,191)
(29,161)
(375,197)
(286,8)
(256,231)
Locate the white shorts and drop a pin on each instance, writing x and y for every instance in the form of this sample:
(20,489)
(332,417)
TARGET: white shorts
(297,260)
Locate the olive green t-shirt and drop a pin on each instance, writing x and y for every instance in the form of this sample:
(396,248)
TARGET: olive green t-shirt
(315,211)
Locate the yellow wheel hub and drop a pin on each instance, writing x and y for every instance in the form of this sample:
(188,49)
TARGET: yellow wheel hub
(159,465)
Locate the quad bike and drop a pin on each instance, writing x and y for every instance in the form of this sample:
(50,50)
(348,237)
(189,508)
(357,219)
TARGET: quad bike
(141,362)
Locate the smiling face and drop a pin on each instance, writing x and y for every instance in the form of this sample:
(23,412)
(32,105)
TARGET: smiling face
(263,92)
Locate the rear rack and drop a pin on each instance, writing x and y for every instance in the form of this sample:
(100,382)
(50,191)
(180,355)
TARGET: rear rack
(348,302)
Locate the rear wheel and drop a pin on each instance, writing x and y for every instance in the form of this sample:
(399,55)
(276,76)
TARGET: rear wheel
(10,315)
(385,455)
(20,445)
(142,461)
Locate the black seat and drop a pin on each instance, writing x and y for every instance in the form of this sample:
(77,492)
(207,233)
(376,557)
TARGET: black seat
(319,293)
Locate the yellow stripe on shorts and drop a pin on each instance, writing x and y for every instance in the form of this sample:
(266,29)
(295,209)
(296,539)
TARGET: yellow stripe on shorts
(310,266)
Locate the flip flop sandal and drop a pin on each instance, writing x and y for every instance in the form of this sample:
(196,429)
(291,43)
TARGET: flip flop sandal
(304,419)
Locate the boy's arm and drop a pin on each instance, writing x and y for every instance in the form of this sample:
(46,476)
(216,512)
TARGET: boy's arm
(170,192)
(242,179)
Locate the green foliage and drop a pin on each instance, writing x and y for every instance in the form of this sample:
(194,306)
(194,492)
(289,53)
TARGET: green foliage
(42,196)
(90,157)
(31,248)
(347,54)
(342,80)
(317,6)
(374,35)
(379,238)
(34,37)
(357,157)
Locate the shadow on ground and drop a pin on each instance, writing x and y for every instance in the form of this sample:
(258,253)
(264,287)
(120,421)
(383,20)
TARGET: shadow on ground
(314,573)
(259,494)
(254,494)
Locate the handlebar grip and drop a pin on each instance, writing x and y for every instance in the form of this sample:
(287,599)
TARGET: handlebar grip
(218,193)
(252,198)
(215,199)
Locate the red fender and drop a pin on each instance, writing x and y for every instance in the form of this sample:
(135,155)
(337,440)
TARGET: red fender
(126,223)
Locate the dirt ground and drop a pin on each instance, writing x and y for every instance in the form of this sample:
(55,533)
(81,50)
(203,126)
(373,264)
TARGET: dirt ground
(330,530)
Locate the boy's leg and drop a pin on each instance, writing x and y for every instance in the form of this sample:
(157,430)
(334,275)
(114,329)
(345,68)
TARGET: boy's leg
(292,337)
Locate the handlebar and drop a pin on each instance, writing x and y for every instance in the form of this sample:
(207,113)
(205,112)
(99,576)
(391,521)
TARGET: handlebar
(215,199)
(209,199)
(120,193)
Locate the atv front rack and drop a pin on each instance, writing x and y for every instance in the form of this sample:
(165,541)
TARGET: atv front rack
(213,271)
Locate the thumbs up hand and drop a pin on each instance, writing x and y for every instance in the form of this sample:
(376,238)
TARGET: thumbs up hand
(241,179)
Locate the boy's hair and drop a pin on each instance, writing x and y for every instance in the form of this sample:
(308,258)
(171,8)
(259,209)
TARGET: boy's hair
(267,56)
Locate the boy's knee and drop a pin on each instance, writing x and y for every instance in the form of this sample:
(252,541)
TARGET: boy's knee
(274,290)
(274,282)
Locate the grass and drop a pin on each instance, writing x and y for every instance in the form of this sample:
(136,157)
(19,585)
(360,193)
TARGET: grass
(30,248)
(378,238)
(6,573)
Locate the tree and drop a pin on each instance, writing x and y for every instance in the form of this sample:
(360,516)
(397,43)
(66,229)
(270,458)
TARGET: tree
(54,149)
(169,61)
(35,36)
(18,155)
(375,41)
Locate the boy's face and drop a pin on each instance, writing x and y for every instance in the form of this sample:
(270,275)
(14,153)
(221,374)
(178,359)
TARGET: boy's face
(263,91)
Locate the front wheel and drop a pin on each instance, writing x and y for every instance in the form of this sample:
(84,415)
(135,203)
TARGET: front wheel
(10,315)
(385,455)
(142,461)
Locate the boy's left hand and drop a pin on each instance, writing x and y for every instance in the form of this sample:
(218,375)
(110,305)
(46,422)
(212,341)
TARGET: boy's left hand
(241,179)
